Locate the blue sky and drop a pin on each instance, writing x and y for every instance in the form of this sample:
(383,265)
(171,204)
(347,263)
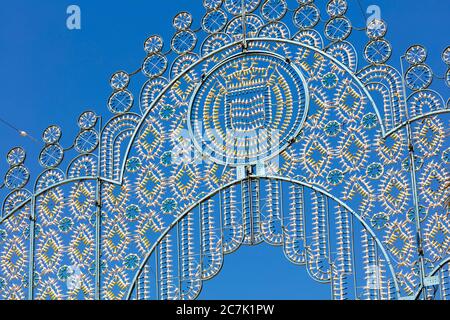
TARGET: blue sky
(51,74)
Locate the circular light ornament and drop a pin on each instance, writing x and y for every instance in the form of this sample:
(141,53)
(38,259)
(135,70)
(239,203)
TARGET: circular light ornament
(214,21)
(87,120)
(338,29)
(17,177)
(134,164)
(332,128)
(337,8)
(120,80)
(377,51)
(416,55)
(183,41)
(153,44)
(419,77)
(375,171)
(376,29)
(52,135)
(306,17)
(154,66)
(182,21)
(273,10)
(248,109)
(335,177)
(120,102)
(86,141)
(16,157)
(51,156)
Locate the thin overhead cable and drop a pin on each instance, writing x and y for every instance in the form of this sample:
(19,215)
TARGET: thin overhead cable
(20,132)
(363,12)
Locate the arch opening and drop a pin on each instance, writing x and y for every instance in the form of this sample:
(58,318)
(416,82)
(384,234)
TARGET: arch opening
(312,229)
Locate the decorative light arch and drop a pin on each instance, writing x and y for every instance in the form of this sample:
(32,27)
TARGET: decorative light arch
(295,112)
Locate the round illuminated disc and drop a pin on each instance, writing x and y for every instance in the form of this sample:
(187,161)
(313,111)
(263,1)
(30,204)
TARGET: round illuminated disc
(52,135)
(17,177)
(16,156)
(248,109)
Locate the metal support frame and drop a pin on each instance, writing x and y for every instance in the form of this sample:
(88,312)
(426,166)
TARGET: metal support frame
(413,173)
(243,178)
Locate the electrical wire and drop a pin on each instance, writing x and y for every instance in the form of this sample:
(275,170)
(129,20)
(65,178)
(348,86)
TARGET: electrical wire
(20,132)
(362,9)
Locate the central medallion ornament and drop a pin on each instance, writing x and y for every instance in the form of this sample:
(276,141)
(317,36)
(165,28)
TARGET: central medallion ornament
(248,109)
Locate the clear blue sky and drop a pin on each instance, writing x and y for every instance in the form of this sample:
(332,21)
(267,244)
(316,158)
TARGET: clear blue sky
(50,75)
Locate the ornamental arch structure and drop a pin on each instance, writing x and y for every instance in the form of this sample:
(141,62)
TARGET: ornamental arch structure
(260,122)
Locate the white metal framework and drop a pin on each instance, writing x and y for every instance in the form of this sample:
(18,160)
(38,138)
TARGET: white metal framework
(260,124)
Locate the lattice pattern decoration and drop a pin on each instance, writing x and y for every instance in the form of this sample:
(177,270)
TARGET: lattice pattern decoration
(259,123)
